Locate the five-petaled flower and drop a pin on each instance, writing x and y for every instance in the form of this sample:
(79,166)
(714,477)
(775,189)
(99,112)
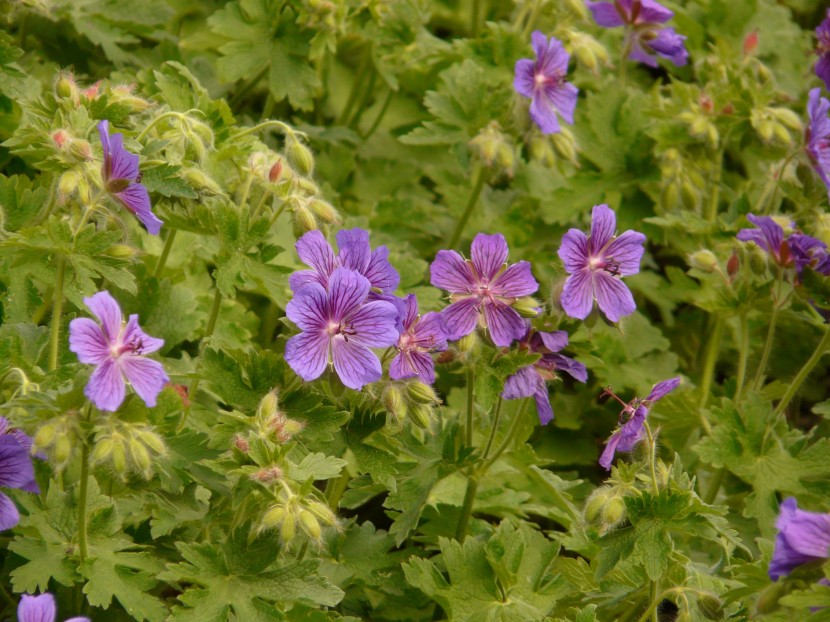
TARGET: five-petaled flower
(420,336)
(596,264)
(644,35)
(117,350)
(40,609)
(122,179)
(803,537)
(340,325)
(16,471)
(482,290)
(768,236)
(543,80)
(530,381)
(818,135)
(823,50)
(626,437)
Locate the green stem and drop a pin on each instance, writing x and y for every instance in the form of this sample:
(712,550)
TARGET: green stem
(247,86)
(287,129)
(37,316)
(168,245)
(714,486)
(356,91)
(624,58)
(467,507)
(265,195)
(82,495)
(167,115)
(361,107)
(714,197)
(335,489)
(811,363)
(514,425)
(652,457)
(743,354)
(762,365)
(246,189)
(471,203)
(653,595)
(57,309)
(767,197)
(7,597)
(389,97)
(475,18)
(534,14)
(468,429)
(493,429)
(277,214)
(708,374)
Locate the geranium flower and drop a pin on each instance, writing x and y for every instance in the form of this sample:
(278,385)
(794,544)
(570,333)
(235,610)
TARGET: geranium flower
(530,381)
(420,336)
(596,265)
(808,251)
(16,471)
(823,50)
(543,80)
(818,135)
(339,326)
(642,19)
(122,178)
(768,236)
(354,254)
(40,609)
(626,437)
(803,537)
(483,291)
(117,350)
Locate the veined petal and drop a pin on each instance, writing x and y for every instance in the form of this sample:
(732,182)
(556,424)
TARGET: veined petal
(136,199)
(309,309)
(489,254)
(563,98)
(543,407)
(523,383)
(104,134)
(524,79)
(554,341)
(554,60)
(449,271)
(141,341)
(653,12)
(570,366)
(105,388)
(37,608)
(410,303)
(627,250)
(516,281)
(347,291)
(429,332)
(460,318)
(543,113)
(613,296)
(640,54)
(106,309)
(354,250)
(823,69)
(307,354)
(15,464)
(356,365)
(603,226)
(315,251)
(122,163)
(146,377)
(380,272)
(87,341)
(578,295)
(9,516)
(504,323)
(540,44)
(411,364)
(373,324)
(574,251)
(605,14)
(661,389)
(301,278)
(607,457)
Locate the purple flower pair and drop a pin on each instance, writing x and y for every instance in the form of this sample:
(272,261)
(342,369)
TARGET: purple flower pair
(803,537)
(122,178)
(483,290)
(543,81)
(596,265)
(626,437)
(117,351)
(797,249)
(645,36)
(16,471)
(40,609)
(531,381)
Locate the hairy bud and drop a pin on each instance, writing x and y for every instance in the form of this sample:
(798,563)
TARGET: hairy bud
(45,436)
(304,220)
(420,415)
(394,402)
(299,156)
(527,307)
(324,211)
(273,517)
(288,529)
(63,449)
(421,393)
(310,525)
(703,260)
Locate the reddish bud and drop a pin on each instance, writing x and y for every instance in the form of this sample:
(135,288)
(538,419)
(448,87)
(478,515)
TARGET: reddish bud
(728,109)
(91,92)
(267,475)
(706,104)
(182,392)
(750,42)
(732,265)
(276,172)
(241,444)
(60,137)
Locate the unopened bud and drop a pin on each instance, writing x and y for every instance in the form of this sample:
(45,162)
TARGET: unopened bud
(420,415)
(91,92)
(310,525)
(201,181)
(60,138)
(703,260)
(506,158)
(140,456)
(486,143)
(275,172)
(764,127)
(65,87)
(527,306)
(768,600)
(289,429)
(273,516)
(589,52)
(541,150)
(421,393)
(565,145)
(788,118)
(304,220)
(689,194)
(268,475)
(750,43)
(612,512)
(80,150)
(102,450)
(467,342)
(710,606)
(594,505)
(121,251)
(758,261)
(241,444)
(63,449)
(119,457)
(322,512)
(152,441)
(45,435)
(268,406)
(394,402)
(67,184)
(287,529)
(324,211)
(577,7)
(299,156)
(733,264)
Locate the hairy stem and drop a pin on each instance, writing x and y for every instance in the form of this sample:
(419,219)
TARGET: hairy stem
(708,373)
(762,365)
(467,507)
(493,429)
(165,252)
(508,439)
(811,363)
(652,457)
(743,354)
(468,429)
(82,495)
(57,309)
(471,203)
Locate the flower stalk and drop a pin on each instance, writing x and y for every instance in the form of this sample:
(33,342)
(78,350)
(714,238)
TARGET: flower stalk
(57,310)
(478,186)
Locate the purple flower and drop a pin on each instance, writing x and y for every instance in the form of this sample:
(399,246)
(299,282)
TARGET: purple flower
(642,19)
(16,471)
(768,236)
(117,350)
(818,135)
(355,254)
(596,265)
(530,381)
(823,50)
(121,178)
(40,609)
(339,325)
(626,437)
(482,290)
(419,337)
(543,80)
(802,537)
(808,251)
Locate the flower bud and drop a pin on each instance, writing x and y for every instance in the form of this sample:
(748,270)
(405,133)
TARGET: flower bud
(758,261)
(79,150)
(289,429)
(152,441)
(421,393)
(420,415)
(299,156)
(310,525)
(66,87)
(201,181)
(768,600)
(322,512)
(268,475)
(67,184)
(63,449)
(541,150)
(467,342)
(703,260)
(527,306)
(506,158)
(750,43)
(710,606)
(324,211)
(44,436)
(304,220)
(689,194)
(486,143)
(275,172)
(565,144)
(102,450)
(123,94)
(788,118)
(91,92)
(733,264)
(595,504)
(612,512)
(119,457)
(287,529)
(589,52)
(121,251)
(268,406)
(394,402)
(577,7)
(60,138)
(273,517)
(140,456)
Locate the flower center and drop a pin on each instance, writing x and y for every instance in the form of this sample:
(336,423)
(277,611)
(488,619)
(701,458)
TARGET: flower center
(610,265)
(341,328)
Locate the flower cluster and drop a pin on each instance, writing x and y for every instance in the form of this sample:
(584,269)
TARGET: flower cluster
(797,249)
(16,471)
(646,38)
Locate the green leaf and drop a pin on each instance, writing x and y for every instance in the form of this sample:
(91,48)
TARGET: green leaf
(317,466)
(20,200)
(242,378)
